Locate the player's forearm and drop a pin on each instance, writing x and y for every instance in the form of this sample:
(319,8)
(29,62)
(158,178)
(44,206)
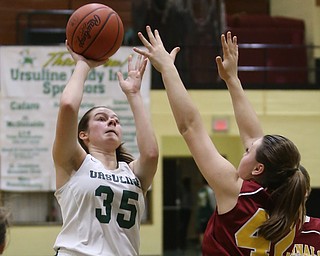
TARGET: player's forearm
(184,111)
(146,138)
(73,92)
(246,117)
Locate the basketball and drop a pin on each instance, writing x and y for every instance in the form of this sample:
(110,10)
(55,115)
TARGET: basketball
(95,31)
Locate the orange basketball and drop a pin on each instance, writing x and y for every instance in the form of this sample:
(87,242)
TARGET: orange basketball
(95,31)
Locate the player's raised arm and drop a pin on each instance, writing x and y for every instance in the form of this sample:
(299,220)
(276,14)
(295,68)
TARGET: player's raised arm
(248,124)
(145,165)
(220,173)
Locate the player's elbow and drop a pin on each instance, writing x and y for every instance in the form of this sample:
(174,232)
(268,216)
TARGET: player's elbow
(153,153)
(187,125)
(67,105)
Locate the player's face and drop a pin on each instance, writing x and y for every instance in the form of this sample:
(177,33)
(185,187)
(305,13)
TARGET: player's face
(104,128)
(248,162)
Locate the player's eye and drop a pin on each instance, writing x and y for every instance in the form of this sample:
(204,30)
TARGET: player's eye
(101,118)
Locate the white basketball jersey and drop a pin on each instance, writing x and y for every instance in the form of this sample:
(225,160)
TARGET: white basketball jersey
(101,211)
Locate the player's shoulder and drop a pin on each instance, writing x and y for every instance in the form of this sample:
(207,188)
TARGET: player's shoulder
(251,187)
(311,223)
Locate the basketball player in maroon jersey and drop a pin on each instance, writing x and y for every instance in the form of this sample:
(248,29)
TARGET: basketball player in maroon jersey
(260,204)
(307,240)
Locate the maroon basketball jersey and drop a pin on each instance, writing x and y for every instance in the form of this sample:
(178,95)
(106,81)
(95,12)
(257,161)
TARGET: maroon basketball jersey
(235,232)
(307,241)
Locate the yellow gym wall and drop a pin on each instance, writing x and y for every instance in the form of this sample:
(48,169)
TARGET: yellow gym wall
(295,114)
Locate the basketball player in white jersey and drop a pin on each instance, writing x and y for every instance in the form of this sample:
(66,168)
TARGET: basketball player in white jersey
(99,186)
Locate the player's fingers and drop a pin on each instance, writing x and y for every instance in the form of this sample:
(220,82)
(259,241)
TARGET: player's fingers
(223,41)
(224,44)
(120,76)
(138,62)
(174,52)
(130,65)
(143,66)
(144,41)
(219,61)
(157,36)
(235,40)
(152,39)
(68,47)
(229,38)
(140,51)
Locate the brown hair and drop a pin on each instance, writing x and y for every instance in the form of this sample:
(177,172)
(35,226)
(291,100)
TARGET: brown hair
(4,224)
(121,153)
(287,184)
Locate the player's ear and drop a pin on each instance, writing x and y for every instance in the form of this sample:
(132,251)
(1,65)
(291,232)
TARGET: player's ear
(83,135)
(258,169)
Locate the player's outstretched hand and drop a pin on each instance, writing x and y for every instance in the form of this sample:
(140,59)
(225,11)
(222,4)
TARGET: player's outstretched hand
(156,52)
(228,67)
(132,83)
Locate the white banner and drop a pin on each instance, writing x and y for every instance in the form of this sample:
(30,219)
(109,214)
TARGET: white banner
(32,79)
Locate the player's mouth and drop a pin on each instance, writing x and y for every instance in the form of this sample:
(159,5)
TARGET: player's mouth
(111,131)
